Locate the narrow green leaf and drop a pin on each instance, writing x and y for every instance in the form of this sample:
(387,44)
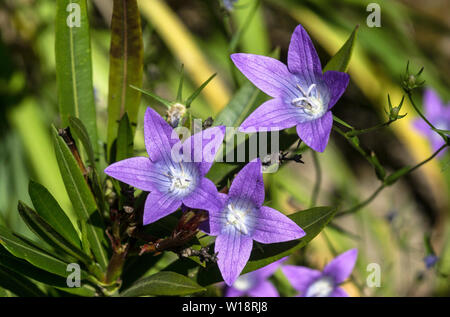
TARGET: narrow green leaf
(340,61)
(345,124)
(82,199)
(124,144)
(391,179)
(125,65)
(198,91)
(312,221)
(29,251)
(180,85)
(165,102)
(74,65)
(81,132)
(45,231)
(48,208)
(163,284)
(19,285)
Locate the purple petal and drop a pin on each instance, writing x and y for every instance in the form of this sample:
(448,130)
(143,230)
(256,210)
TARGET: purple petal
(339,292)
(137,172)
(433,105)
(232,292)
(273,227)
(203,147)
(316,133)
(205,197)
(337,83)
(268,270)
(266,73)
(300,277)
(158,206)
(248,183)
(341,267)
(264,289)
(215,217)
(302,56)
(159,137)
(273,115)
(233,253)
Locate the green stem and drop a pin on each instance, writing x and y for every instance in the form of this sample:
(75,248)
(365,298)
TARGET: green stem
(315,193)
(374,128)
(354,145)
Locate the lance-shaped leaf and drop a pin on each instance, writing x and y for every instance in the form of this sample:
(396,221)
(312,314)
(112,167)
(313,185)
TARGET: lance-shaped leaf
(126,65)
(48,208)
(340,61)
(82,199)
(163,284)
(19,285)
(81,132)
(45,231)
(124,143)
(29,251)
(312,221)
(74,65)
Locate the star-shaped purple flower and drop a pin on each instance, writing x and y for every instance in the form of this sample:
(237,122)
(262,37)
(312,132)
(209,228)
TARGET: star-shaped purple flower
(303,96)
(255,284)
(172,175)
(314,283)
(438,114)
(242,218)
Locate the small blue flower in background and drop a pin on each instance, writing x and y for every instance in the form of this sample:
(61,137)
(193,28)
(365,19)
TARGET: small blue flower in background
(430,260)
(255,284)
(314,283)
(229,4)
(303,96)
(438,114)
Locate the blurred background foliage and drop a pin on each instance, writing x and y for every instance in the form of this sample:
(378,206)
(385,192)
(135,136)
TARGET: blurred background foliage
(201,34)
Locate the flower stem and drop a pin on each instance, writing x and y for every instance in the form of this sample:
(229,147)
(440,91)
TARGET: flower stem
(315,193)
(352,133)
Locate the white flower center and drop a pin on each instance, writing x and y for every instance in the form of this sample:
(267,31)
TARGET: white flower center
(237,218)
(243,283)
(179,179)
(311,101)
(323,287)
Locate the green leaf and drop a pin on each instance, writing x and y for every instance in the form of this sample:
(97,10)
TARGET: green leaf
(125,65)
(45,231)
(163,284)
(312,221)
(124,144)
(82,200)
(29,251)
(194,95)
(48,208)
(74,65)
(19,285)
(391,179)
(340,61)
(81,132)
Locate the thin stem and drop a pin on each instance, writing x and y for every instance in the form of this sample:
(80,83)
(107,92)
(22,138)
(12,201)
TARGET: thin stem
(315,193)
(427,160)
(371,129)
(362,204)
(356,146)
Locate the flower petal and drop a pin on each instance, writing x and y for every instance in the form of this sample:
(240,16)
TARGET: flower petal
(202,147)
(205,196)
(233,253)
(158,206)
(341,267)
(159,137)
(264,289)
(137,172)
(232,292)
(316,133)
(273,114)
(339,292)
(268,270)
(433,105)
(249,184)
(216,218)
(337,83)
(273,227)
(302,56)
(300,277)
(266,73)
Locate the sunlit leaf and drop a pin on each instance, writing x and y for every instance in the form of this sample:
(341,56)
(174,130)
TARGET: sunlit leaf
(340,61)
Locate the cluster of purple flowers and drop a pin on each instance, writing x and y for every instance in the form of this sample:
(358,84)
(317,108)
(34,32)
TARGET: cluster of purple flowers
(303,97)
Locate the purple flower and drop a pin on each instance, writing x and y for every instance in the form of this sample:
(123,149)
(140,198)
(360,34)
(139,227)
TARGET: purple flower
(438,114)
(303,96)
(313,283)
(172,177)
(430,261)
(255,284)
(242,218)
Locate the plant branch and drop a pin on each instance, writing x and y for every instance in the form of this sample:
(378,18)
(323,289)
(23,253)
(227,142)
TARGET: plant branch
(315,193)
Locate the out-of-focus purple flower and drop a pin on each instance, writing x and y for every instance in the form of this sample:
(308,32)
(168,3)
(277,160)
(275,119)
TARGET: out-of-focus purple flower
(303,96)
(172,178)
(438,114)
(229,4)
(430,260)
(255,284)
(314,283)
(242,218)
